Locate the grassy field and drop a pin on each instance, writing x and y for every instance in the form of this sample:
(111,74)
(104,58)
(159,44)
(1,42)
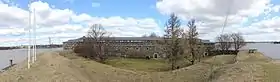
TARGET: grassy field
(248,68)
(67,67)
(148,70)
(138,64)
(151,65)
(272,72)
(221,60)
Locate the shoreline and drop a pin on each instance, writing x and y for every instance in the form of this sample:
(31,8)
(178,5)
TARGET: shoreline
(8,67)
(22,63)
(19,55)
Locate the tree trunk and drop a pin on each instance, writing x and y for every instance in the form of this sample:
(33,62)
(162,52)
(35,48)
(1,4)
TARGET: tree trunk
(172,65)
(193,58)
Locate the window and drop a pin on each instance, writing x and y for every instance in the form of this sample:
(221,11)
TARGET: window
(148,48)
(205,53)
(155,55)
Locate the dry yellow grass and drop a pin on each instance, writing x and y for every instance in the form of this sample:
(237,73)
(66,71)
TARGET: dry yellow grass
(272,72)
(221,59)
(241,72)
(244,56)
(52,67)
(253,67)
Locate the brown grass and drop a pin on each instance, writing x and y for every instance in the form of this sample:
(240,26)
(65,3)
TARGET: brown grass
(66,67)
(52,67)
(253,67)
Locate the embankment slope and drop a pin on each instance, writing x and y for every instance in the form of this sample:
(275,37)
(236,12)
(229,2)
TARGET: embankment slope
(70,68)
(247,68)
(52,67)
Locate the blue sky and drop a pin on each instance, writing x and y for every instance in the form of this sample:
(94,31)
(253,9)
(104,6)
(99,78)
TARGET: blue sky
(62,20)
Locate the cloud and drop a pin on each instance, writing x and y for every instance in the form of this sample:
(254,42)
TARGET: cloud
(63,24)
(211,15)
(122,26)
(48,17)
(11,19)
(255,19)
(9,2)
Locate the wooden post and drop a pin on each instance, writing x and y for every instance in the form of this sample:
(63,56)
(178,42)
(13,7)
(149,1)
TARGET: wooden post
(11,62)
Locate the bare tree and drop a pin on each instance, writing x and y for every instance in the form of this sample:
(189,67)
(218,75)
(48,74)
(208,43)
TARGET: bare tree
(172,47)
(150,35)
(192,41)
(224,42)
(238,41)
(95,44)
(153,35)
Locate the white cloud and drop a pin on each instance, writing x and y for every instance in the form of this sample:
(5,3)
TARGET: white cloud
(8,17)
(81,18)
(9,2)
(64,24)
(212,15)
(11,31)
(49,17)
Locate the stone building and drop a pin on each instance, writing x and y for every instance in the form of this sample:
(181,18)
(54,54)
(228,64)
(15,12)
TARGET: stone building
(138,46)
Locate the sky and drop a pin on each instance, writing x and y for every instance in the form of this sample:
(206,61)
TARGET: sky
(61,20)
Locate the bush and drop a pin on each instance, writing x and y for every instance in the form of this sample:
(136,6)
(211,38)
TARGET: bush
(89,51)
(148,57)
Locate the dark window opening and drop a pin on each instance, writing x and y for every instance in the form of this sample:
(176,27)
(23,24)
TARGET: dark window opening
(205,53)
(155,55)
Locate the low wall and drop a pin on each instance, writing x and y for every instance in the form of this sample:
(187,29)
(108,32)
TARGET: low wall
(219,52)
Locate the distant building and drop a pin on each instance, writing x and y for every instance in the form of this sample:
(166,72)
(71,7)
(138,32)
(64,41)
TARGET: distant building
(121,45)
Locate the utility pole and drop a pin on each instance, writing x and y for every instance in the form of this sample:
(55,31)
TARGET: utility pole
(29,37)
(35,25)
(50,41)
(34,37)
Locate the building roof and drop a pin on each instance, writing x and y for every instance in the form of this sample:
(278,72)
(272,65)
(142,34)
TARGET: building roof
(135,38)
(129,38)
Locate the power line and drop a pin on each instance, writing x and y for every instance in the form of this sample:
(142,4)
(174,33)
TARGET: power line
(226,17)
(224,25)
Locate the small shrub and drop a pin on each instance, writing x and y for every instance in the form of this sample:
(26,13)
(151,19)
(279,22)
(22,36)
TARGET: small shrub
(148,57)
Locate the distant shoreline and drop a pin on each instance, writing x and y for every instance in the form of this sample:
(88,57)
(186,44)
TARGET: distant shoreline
(8,48)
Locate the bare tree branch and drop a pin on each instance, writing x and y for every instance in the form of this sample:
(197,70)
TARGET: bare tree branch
(238,41)
(192,42)
(224,42)
(95,45)
(172,47)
